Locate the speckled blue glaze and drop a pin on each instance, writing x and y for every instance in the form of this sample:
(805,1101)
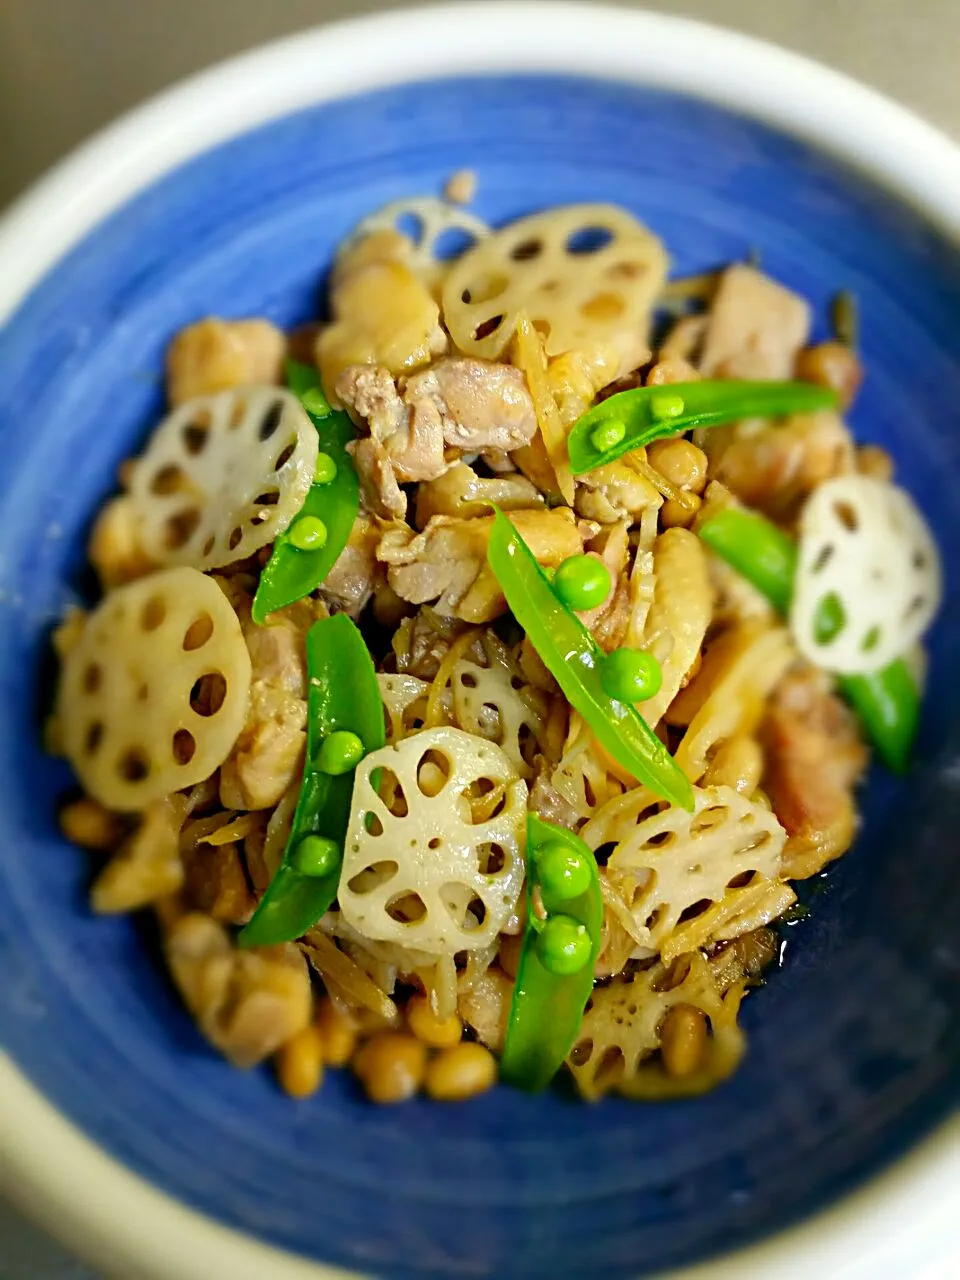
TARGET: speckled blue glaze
(854,1045)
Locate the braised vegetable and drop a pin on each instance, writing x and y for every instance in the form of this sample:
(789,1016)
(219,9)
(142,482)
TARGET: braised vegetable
(886,701)
(577,663)
(631,419)
(560,948)
(345,721)
(309,548)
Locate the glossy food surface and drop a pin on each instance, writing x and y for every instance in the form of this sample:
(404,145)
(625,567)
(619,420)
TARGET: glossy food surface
(854,1047)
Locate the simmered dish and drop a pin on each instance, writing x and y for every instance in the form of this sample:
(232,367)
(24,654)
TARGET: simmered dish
(478,672)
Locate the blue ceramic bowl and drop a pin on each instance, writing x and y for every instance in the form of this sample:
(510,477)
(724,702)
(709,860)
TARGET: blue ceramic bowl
(854,1046)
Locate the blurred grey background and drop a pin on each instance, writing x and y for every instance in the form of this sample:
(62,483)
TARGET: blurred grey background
(69,66)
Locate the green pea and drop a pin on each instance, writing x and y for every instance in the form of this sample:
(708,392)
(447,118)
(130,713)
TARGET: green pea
(309,533)
(631,675)
(608,435)
(666,404)
(563,945)
(316,856)
(829,619)
(326,469)
(563,872)
(315,402)
(339,752)
(582,582)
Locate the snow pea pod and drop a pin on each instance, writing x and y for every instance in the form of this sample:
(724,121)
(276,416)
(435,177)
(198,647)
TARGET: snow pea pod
(308,549)
(577,663)
(634,418)
(344,722)
(886,701)
(559,953)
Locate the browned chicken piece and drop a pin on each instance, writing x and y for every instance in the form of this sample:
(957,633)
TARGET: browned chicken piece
(615,491)
(755,327)
(608,621)
(775,467)
(461,492)
(350,583)
(446,564)
(669,370)
(833,365)
(383,315)
(114,550)
(684,341)
(547,801)
(485,1008)
(215,882)
(421,642)
(214,355)
(247,1003)
(147,865)
(269,750)
(461,404)
(814,759)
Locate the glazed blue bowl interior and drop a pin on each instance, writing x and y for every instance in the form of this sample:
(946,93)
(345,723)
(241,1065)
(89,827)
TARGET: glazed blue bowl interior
(854,1044)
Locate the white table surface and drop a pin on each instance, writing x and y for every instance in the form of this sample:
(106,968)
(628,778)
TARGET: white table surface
(69,66)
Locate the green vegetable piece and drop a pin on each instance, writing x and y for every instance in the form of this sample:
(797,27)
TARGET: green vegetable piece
(316,856)
(308,533)
(340,753)
(292,572)
(886,701)
(575,661)
(582,582)
(343,696)
(325,469)
(638,417)
(547,1006)
(564,872)
(608,435)
(830,618)
(632,675)
(666,404)
(563,945)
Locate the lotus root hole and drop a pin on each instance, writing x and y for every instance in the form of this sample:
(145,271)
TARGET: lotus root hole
(238,413)
(694,910)
(712,817)
(604,306)
(285,455)
(742,880)
(143,693)
(94,737)
(527,250)
(153,613)
(660,840)
(491,859)
(209,545)
(169,479)
(92,677)
(488,327)
(433,773)
(181,527)
(372,877)
(477,908)
(451,243)
(435,843)
(588,240)
(406,908)
(198,633)
(195,436)
(271,420)
(208,693)
(467,680)
(485,289)
(580,1053)
(236,537)
(133,765)
(373,825)
(847,516)
(184,746)
(610,1068)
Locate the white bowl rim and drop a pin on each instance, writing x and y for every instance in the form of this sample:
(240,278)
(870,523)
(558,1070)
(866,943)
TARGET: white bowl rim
(908,1215)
